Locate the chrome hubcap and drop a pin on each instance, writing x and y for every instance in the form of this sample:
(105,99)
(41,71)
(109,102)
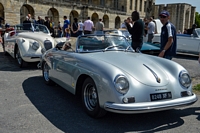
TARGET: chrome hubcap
(90,97)
(46,72)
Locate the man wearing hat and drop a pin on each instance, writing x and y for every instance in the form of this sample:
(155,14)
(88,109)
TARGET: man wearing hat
(168,37)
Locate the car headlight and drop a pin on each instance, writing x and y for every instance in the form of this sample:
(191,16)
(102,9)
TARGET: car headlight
(121,84)
(184,79)
(35,45)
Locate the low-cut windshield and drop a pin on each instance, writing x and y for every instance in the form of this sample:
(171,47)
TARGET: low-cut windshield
(32,27)
(198,31)
(92,43)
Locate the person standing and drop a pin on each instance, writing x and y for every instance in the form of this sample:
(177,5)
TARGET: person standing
(145,26)
(47,23)
(40,20)
(150,30)
(99,25)
(168,37)
(74,28)
(88,26)
(137,31)
(66,25)
(80,31)
(123,25)
(1,21)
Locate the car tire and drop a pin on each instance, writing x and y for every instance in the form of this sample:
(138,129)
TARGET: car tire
(45,73)
(90,99)
(20,61)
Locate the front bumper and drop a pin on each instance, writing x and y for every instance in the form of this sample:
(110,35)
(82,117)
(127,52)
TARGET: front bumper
(32,57)
(134,108)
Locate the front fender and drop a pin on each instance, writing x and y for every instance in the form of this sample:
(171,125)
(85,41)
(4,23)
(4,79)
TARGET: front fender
(26,50)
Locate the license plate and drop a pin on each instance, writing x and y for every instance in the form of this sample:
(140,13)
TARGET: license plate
(161,96)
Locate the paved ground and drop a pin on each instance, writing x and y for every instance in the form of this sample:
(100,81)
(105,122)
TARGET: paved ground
(27,105)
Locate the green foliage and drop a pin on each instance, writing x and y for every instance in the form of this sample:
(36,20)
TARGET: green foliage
(197,19)
(197,87)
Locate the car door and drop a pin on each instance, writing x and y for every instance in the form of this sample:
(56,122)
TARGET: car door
(63,70)
(188,44)
(9,41)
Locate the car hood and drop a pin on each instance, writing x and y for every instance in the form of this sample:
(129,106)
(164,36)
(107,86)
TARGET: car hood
(140,66)
(39,36)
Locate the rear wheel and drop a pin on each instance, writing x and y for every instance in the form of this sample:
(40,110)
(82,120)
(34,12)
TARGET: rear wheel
(45,73)
(90,99)
(20,61)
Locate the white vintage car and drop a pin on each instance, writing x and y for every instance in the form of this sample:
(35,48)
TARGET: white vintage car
(27,42)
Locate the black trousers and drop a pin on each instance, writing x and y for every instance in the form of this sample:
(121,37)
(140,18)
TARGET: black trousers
(137,46)
(87,32)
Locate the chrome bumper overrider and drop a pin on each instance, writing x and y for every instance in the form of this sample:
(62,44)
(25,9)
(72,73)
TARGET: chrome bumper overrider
(146,107)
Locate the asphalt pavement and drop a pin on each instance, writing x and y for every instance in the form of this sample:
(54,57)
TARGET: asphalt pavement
(27,105)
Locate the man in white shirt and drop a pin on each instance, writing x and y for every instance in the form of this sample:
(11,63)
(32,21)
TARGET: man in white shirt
(151,30)
(88,26)
(123,25)
(80,25)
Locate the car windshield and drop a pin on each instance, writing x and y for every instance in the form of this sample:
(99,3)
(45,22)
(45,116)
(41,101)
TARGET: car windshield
(198,31)
(125,32)
(32,27)
(95,43)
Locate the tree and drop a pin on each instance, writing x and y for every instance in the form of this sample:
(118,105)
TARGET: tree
(197,19)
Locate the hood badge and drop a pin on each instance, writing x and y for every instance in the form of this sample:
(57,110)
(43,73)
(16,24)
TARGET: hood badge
(154,74)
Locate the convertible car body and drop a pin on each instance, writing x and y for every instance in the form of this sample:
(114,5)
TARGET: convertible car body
(26,42)
(109,76)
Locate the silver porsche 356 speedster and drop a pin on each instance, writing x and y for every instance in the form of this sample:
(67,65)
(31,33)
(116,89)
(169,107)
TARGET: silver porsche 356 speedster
(109,75)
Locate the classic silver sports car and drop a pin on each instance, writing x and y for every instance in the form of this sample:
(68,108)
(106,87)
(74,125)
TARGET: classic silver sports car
(27,42)
(109,76)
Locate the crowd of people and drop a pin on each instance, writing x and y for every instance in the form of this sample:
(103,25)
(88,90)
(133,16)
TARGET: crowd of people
(136,27)
(139,29)
(67,29)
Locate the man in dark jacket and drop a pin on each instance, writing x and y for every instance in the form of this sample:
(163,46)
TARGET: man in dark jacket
(137,31)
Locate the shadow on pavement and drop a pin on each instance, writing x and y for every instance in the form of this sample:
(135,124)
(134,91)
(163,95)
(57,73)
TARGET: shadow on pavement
(186,56)
(64,111)
(8,63)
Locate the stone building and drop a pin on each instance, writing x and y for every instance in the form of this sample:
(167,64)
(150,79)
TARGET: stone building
(113,12)
(182,15)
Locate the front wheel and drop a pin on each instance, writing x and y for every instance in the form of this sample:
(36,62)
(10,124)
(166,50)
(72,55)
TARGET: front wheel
(20,61)
(90,99)
(45,73)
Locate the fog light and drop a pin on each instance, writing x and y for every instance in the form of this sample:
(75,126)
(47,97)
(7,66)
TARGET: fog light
(125,100)
(128,100)
(186,93)
(189,93)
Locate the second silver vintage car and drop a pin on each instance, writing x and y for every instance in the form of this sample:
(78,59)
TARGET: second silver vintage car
(106,73)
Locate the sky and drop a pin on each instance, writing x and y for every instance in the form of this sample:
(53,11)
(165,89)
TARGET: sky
(195,3)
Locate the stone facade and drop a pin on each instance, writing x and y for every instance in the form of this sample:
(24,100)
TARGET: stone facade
(113,12)
(182,15)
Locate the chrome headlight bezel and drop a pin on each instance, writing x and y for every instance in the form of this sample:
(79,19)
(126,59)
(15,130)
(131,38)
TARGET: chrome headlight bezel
(34,44)
(184,79)
(121,84)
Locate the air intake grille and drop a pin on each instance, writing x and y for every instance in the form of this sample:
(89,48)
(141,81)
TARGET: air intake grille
(47,44)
